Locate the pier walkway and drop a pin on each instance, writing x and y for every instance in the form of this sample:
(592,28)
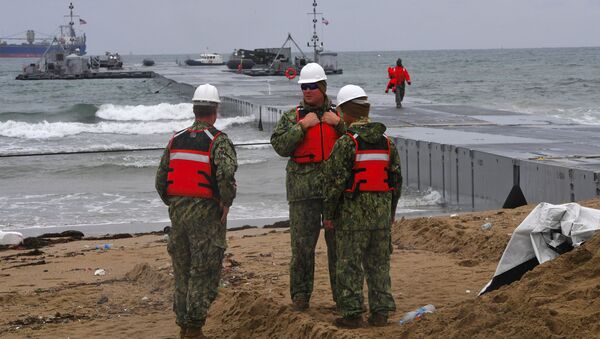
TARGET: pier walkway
(476,158)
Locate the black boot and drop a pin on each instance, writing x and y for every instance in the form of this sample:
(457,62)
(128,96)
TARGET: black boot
(350,322)
(378,319)
(301,305)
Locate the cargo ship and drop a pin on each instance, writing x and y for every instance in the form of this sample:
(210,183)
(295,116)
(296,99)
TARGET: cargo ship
(28,47)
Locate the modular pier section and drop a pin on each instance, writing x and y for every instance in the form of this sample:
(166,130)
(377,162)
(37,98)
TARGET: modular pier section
(476,158)
(89,75)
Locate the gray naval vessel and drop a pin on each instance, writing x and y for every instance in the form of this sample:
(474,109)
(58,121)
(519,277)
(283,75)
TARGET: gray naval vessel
(59,63)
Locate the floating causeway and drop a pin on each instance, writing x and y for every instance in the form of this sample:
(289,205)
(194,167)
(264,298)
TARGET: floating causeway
(476,158)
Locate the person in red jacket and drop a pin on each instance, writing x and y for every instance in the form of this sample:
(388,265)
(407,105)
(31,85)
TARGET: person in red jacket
(401,77)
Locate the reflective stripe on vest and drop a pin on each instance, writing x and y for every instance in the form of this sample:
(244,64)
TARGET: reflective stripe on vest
(371,166)
(318,140)
(184,155)
(373,157)
(190,171)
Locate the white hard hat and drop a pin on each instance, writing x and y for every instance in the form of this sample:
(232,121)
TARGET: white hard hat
(206,93)
(312,72)
(350,92)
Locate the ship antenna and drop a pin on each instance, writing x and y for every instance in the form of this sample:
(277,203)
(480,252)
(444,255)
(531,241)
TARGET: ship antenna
(71,8)
(71,23)
(315,37)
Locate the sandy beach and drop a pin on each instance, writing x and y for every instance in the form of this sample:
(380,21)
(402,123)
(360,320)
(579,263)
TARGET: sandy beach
(54,293)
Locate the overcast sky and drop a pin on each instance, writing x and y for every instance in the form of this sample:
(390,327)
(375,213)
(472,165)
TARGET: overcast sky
(194,26)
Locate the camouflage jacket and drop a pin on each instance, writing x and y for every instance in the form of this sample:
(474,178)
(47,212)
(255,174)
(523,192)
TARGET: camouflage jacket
(224,162)
(359,210)
(303,181)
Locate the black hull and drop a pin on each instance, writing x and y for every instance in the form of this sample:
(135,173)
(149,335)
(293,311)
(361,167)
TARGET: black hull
(235,64)
(190,62)
(271,72)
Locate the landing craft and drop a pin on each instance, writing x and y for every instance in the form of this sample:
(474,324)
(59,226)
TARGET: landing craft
(273,61)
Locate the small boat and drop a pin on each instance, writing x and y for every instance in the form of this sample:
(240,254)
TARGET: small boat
(206,59)
(148,62)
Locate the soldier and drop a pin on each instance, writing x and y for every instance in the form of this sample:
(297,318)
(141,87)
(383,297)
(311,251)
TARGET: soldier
(364,182)
(306,134)
(196,180)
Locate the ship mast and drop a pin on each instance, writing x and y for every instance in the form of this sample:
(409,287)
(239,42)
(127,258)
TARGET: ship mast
(317,47)
(71,23)
(70,27)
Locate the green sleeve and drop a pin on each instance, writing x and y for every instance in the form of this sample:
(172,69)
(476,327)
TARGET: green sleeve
(338,170)
(225,164)
(287,134)
(161,177)
(396,175)
(341,127)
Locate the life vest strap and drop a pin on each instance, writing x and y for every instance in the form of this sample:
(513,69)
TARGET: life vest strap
(304,156)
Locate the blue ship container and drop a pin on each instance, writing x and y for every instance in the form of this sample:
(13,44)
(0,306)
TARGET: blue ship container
(32,50)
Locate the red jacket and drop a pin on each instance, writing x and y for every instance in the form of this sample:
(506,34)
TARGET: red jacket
(401,74)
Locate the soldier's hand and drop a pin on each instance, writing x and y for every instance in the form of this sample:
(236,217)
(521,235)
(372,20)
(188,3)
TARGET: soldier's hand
(331,118)
(328,224)
(408,82)
(224,215)
(309,121)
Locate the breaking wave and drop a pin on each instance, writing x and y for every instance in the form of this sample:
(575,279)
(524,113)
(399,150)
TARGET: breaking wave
(47,130)
(163,111)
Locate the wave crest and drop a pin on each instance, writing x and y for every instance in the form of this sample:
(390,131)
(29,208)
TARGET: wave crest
(162,111)
(47,130)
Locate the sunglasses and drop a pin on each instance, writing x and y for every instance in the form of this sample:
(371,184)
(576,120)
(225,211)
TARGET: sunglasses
(311,86)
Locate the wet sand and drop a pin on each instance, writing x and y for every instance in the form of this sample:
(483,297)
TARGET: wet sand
(444,261)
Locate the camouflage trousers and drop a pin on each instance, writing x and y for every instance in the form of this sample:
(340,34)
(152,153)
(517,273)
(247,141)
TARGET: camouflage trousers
(400,88)
(363,253)
(196,248)
(305,227)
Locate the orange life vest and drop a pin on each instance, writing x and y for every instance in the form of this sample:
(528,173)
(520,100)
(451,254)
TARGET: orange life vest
(371,166)
(190,171)
(318,140)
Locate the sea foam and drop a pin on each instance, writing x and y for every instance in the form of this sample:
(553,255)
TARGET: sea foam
(162,111)
(47,130)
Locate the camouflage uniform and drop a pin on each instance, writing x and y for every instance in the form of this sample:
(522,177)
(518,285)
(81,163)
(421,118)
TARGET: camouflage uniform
(197,239)
(304,185)
(362,225)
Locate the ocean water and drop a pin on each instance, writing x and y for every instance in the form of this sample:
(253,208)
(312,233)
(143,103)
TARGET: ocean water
(118,114)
